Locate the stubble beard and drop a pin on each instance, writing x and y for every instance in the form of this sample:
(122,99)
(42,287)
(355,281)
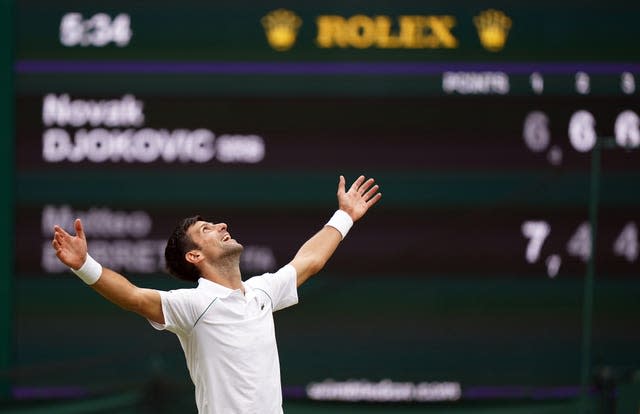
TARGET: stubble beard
(231,254)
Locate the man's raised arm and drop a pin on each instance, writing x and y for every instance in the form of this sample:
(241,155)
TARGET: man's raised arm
(352,205)
(73,252)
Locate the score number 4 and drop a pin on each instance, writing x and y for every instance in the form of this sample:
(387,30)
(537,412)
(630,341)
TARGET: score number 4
(579,244)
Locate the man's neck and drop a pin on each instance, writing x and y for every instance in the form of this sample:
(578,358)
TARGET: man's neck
(227,276)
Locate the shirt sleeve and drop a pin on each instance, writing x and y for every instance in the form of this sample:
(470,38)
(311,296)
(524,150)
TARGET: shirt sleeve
(178,309)
(281,286)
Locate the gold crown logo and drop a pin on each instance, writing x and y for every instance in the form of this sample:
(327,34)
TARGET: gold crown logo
(493,28)
(281,27)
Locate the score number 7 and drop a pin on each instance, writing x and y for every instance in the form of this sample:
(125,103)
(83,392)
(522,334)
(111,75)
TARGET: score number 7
(536,232)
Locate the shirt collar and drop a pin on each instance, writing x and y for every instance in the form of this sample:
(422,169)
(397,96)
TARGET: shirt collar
(217,289)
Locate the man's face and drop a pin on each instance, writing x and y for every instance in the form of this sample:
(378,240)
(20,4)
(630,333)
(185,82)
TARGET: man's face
(214,240)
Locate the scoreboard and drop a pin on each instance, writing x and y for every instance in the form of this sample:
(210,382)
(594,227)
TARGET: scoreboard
(479,121)
(448,186)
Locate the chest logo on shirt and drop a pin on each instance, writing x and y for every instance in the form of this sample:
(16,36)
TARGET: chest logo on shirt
(263,298)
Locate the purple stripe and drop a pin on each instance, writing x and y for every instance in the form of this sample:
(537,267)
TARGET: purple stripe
(28,393)
(294,392)
(520,392)
(555,392)
(494,392)
(317,68)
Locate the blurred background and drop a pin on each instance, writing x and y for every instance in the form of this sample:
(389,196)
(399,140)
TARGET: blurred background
(498,274)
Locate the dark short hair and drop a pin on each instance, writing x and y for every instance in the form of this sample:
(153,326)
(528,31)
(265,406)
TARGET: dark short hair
(178,245)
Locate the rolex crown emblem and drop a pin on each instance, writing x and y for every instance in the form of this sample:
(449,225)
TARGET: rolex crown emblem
(493,28)
(281,27)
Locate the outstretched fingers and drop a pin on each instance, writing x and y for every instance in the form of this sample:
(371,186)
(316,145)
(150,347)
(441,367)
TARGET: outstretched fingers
(69,248)
(373,192)
(374,199)
(357,183)
(59,234)
(362,194)
(365,189)
(62,239)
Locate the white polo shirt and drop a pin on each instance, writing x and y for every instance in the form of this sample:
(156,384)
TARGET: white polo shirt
(229,340)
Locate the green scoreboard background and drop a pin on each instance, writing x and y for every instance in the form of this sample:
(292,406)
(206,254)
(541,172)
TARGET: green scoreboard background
(501,134)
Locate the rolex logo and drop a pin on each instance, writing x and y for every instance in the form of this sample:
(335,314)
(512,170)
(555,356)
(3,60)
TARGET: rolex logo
(281,27)
(493,28)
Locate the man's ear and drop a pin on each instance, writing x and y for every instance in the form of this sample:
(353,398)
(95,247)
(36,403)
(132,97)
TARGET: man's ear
(193,256)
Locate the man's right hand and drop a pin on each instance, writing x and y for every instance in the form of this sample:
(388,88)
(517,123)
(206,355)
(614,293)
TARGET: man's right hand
(71,250)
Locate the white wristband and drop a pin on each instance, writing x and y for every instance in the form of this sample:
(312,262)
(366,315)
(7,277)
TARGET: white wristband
(341,221)
(90,271)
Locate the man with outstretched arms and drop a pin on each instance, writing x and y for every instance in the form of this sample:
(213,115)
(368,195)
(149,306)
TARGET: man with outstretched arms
(224,325)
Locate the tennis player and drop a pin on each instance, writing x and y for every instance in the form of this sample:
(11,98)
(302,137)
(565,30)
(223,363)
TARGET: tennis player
(224,325)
